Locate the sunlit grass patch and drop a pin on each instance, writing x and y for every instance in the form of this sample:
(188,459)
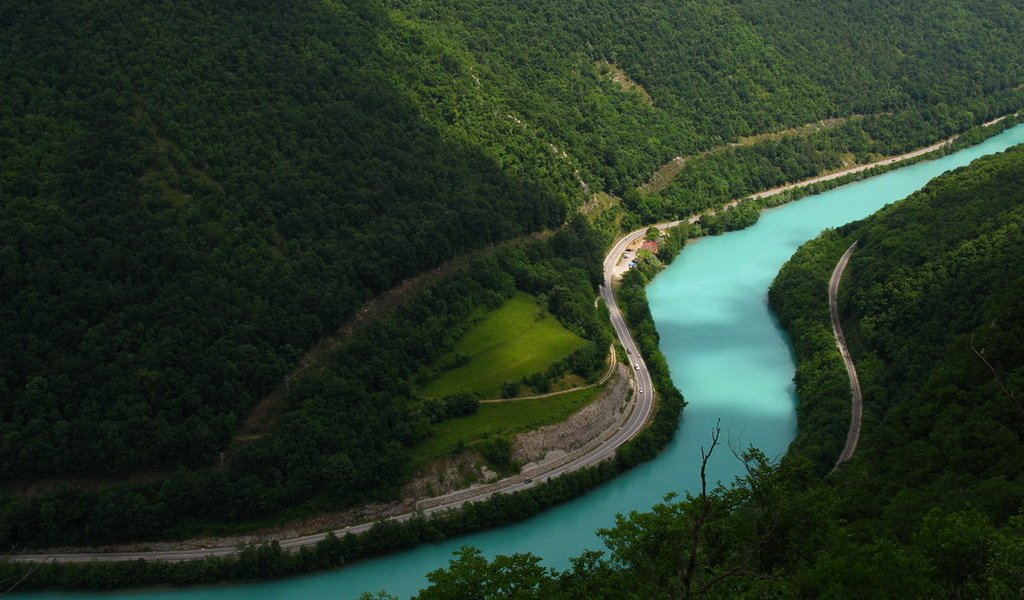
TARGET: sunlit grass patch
(509,343)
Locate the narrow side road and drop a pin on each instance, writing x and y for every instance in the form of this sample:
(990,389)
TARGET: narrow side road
(856,399)
(604,379)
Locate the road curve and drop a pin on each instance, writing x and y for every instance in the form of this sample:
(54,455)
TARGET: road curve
(603,448)
(856,400)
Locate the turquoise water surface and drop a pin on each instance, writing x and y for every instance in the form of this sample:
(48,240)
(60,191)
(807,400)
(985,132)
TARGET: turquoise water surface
(728,357)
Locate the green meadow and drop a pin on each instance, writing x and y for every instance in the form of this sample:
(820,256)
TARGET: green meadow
(501,418)
(510,343)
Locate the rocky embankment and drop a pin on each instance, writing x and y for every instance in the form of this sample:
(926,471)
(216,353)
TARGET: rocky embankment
(554,441)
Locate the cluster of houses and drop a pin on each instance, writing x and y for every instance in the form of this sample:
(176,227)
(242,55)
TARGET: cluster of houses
(633,249)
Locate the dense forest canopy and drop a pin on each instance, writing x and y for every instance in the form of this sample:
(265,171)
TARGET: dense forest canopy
(935,322)
(192,194)
(931,307)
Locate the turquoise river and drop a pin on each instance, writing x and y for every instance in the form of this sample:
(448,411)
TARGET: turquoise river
(728,356)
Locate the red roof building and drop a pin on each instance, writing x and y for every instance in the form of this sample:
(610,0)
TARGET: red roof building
(650,246)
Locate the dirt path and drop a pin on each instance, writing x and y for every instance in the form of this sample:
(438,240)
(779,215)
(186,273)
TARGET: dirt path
(602,381)
(264,415)
(856,399)
(662,177)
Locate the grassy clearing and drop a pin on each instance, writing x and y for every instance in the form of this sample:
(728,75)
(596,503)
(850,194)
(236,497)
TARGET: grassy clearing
(508,344)
(501,418)
(599,203)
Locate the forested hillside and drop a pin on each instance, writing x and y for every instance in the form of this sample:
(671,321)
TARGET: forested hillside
(932,504)
(931,306)
(192,194)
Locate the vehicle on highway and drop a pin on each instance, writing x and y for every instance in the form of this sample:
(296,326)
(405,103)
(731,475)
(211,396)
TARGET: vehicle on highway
(637,366)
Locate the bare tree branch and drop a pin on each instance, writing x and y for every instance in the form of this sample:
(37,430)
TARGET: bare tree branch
(995,375)
(740,569)
(693,582)
(23,577)
(686,575)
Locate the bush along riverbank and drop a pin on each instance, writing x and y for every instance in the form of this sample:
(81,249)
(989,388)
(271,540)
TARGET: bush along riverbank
(271,561)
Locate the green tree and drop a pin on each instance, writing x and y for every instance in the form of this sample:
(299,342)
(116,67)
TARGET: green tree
(470,576)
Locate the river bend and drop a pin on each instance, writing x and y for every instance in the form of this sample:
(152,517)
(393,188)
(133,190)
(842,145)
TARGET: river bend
(727,355)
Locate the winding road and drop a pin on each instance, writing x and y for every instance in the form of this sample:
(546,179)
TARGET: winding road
(856,399)
(635,416)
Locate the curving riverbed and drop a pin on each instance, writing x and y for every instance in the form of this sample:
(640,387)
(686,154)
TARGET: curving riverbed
(728,357)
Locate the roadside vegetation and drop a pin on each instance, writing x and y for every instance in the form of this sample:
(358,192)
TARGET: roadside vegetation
(329,452)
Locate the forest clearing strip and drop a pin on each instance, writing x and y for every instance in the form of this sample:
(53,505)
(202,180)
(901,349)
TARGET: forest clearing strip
(860,168)
(892,160)
(853,170)
(664,175)
(856,398)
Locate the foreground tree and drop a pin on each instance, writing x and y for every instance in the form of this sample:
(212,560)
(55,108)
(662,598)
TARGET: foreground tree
(719,543)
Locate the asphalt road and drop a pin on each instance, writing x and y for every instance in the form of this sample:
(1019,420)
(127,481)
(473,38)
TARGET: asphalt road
(856,399)
(635,418)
